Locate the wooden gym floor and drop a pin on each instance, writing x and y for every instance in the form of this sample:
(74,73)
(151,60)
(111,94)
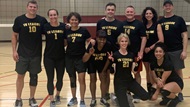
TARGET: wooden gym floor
(8,88)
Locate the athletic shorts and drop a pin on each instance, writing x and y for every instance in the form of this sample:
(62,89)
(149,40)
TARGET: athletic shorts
(148,57)
(179,82)
(30,64)
(176,60)
(138,65)
(93,68)
(74,63)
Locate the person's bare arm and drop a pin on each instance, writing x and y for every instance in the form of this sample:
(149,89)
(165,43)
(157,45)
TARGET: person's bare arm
(14,46)
(160,36)
(87,56)
(184,35)
(143,43)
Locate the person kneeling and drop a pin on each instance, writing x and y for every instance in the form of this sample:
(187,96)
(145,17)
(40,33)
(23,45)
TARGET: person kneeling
(167,82)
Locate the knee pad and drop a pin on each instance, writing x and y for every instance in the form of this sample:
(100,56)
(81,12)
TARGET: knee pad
(152,91)
(73,81)
(33,79)
(165,92)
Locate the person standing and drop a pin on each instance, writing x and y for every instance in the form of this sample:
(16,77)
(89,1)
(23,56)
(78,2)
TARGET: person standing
(113,28)
(137,35)
(97,60)
(175,37)
(77,37)
(27,29)
(154,35)
(123,80)
(54,54)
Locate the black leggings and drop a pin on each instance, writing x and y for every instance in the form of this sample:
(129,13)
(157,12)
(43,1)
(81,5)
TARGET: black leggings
(59,65)
(121,88)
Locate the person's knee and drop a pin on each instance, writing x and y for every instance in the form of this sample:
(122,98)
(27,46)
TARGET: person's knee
(72,81)
(165,92)
(33,79)
(81,81)
(20,76)
(81,78)
(73,84)
(93,79)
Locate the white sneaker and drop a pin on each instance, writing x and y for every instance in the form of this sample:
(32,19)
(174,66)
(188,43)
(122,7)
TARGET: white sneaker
(72,102)
(130,100)
(136,99)
(114,99)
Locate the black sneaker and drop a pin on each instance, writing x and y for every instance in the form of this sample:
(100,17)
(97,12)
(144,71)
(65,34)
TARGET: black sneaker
(93,103)
(164,101)
(107,96)
(18,103)
(104,102)
(180,96)
(33,103)
(174,102)
(57,99)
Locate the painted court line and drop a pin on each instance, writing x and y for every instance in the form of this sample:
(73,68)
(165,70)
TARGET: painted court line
(45,99)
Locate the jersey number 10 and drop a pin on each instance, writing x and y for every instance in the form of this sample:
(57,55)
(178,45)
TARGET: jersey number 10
(32,29)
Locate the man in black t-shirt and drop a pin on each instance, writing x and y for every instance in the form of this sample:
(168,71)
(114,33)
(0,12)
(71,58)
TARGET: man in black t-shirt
(27,29)
(175,37)
(113,28)
(137,35)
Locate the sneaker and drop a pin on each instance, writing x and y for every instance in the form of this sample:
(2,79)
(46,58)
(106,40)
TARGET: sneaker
(72,102)
(180,96)
(107,96)
(130,100)
(33,103)
(174,102)
(57,99)
(52,104)
(82,104)
(114,99)
(93,103)
(164,101)
(18,103)
(104,102)
(136,99)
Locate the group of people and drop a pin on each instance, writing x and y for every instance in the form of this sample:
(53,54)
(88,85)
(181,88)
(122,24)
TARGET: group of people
(119,48)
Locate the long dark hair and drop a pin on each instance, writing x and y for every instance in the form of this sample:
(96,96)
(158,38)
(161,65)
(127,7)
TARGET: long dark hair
(155,16)
(161,45)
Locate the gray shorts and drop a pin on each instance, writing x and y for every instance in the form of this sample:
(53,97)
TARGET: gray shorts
(176,60)
(30,64)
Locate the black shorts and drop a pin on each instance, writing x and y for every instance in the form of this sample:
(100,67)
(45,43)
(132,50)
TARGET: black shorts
(74,63)
(181,85)
(148,57)
(179,82)
(92,68)
(30,64)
